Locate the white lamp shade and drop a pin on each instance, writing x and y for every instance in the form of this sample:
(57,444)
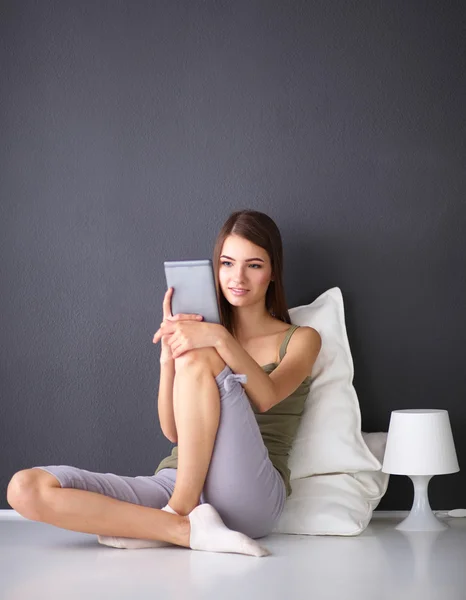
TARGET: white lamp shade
(420,442)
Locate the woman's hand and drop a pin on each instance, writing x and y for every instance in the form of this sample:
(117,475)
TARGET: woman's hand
(189,334)
(166,353)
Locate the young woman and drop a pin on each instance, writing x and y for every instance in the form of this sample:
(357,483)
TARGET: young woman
(230,396)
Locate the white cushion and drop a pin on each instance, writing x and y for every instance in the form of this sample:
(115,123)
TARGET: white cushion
(338,504)
(329,437)
(375,483)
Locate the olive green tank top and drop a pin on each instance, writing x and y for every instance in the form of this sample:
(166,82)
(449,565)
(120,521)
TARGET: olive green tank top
(278,425)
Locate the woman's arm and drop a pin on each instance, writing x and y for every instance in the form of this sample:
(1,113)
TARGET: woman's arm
(265,390)
(165,401)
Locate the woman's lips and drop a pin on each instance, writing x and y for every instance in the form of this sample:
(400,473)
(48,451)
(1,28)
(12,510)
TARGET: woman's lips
(238,292)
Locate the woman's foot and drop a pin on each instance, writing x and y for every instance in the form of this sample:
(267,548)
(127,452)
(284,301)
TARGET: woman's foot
(204,530)
(209,532)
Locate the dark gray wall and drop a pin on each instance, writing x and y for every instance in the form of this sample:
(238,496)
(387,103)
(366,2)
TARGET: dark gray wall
(130,130)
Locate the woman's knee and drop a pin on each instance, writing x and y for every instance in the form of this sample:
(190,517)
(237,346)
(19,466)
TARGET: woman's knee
(24,490)
(202,358)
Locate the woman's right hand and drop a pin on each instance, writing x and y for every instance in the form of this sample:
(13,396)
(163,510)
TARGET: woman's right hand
(166,353)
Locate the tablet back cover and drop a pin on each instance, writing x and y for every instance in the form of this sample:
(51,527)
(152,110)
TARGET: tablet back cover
(194,288)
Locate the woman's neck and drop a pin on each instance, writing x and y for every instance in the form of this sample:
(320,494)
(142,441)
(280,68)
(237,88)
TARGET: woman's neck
(251,321)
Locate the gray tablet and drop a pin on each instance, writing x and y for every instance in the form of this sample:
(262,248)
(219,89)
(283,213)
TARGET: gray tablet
(193,286)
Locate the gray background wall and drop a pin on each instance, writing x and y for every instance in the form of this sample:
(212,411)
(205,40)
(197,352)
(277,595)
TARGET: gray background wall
(130,130)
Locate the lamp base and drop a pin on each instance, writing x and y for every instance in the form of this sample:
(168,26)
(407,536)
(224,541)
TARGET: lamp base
(421,517)
(421,522)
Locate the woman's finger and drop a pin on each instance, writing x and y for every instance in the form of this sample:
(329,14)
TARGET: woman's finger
(177,349)
(167,312)
(159,334)
(186,317)
(175,319)
(170,324)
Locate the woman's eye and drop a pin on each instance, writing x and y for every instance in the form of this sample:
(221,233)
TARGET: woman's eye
(227,262)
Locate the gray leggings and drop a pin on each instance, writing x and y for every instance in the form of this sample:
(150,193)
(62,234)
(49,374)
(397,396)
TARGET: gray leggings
(241,484)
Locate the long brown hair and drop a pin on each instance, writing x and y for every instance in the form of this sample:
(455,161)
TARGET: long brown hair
(261,230)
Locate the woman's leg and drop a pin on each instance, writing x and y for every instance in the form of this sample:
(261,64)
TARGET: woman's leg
(39,496)
(196,403)
(242,483)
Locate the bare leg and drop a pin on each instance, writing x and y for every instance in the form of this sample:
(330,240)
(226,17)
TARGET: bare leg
(37,495)
(196,404)
(195,371)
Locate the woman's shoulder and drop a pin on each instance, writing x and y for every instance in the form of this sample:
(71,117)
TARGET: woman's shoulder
(303,345)
(306,336)
(308,332)
(300,330)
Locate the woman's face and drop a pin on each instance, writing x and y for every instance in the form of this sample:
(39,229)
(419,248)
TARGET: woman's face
(243,266)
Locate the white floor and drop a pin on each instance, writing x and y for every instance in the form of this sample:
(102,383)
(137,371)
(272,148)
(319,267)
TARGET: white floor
(39,561)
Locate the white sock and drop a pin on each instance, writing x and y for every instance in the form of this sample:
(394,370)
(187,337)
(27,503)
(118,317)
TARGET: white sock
(133,543)
(209,532)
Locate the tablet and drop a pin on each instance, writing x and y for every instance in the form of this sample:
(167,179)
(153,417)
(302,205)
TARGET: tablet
(193,286)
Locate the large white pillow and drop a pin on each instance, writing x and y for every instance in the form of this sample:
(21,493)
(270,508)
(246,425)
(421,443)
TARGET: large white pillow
(338,504)
(329,437)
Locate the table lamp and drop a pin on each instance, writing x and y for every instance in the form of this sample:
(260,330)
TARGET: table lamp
(420,445)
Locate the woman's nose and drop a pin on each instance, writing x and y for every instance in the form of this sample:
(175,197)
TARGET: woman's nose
(239,274)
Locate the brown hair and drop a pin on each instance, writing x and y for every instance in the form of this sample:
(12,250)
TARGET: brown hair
(261,230)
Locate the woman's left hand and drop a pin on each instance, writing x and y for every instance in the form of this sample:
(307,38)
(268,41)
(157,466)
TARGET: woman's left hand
(187,335)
